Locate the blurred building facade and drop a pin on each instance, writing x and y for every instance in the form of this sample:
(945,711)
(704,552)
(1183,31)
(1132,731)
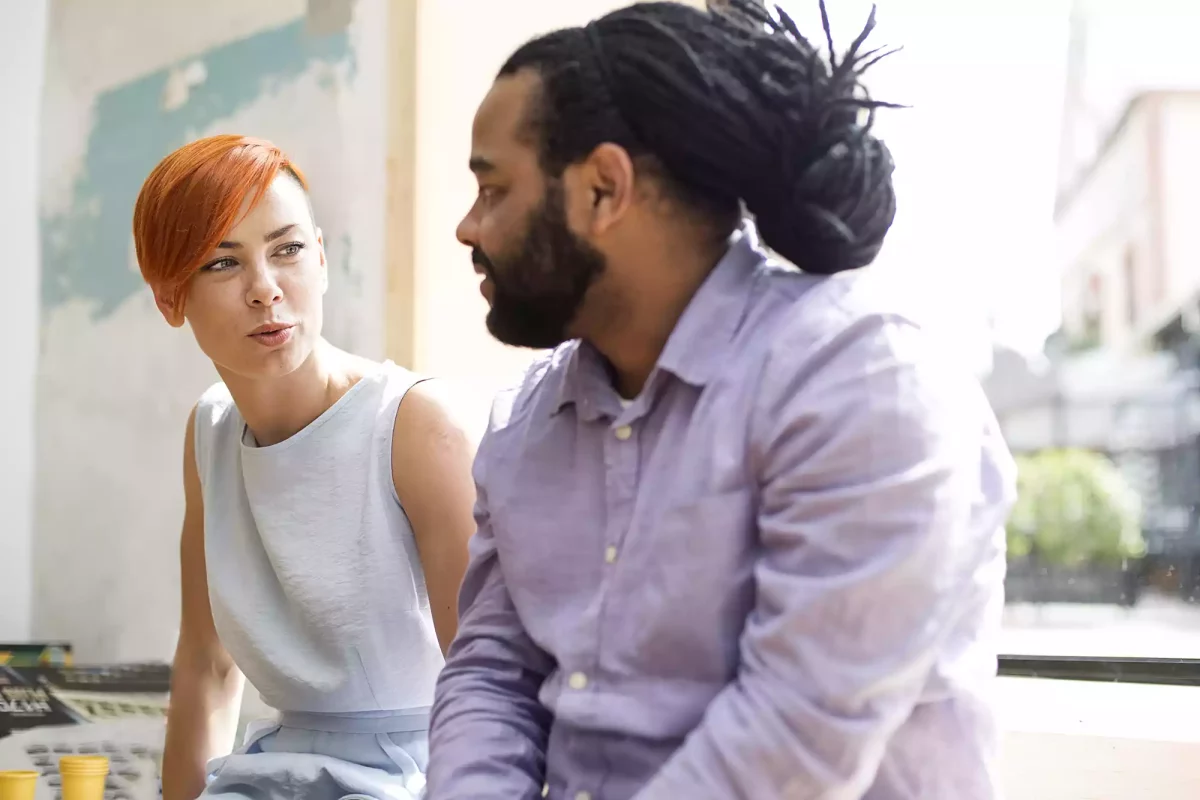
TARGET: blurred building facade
(1119,376)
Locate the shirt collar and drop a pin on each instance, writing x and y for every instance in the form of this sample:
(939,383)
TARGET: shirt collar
(696,347)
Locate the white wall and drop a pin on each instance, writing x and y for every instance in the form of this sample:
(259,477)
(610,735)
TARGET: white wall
(22,55)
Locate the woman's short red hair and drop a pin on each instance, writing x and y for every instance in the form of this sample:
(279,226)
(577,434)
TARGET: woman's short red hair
(191,201)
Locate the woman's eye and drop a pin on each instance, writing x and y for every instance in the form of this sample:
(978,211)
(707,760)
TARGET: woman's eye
(291,249)
(220,265)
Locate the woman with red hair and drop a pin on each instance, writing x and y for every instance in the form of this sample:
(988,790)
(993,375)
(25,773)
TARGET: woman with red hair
(328,501)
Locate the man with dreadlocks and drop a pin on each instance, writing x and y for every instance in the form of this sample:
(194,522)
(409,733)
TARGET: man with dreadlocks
(740,534)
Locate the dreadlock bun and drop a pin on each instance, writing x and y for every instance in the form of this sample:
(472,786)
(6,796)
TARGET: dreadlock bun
(739,108)
(831,212)
(828,203)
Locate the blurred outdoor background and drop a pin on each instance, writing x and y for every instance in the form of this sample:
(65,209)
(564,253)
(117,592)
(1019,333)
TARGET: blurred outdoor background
(1049,183)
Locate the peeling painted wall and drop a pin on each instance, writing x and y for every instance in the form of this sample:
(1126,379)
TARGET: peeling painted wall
(114,382)
(134,125)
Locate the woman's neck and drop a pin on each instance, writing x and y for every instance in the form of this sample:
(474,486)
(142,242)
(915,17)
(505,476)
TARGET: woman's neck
(276,409)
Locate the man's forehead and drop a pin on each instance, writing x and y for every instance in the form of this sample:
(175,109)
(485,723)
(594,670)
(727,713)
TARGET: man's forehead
(503,114)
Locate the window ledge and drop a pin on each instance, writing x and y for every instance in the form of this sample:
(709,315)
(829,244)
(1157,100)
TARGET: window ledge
(1075,740)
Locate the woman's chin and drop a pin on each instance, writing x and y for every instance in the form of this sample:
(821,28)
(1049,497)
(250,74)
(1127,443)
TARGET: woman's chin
(264,364)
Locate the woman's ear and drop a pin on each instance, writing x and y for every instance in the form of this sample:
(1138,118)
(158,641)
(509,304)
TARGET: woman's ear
(170,309)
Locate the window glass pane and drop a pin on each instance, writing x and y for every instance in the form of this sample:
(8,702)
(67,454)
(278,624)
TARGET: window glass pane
(1048,180)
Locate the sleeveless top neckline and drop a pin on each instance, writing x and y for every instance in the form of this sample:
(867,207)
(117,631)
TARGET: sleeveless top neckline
(250,444)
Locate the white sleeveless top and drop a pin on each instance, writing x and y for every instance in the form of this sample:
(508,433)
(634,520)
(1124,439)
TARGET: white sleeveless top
(316,588)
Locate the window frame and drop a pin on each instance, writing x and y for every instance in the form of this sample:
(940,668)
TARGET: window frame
(1156,671)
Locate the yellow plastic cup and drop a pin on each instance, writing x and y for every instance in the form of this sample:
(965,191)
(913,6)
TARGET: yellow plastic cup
(18,785)
(83,777)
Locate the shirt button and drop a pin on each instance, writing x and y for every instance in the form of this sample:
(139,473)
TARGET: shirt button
(610,554)
(583,796)
(623,432)
(578,681)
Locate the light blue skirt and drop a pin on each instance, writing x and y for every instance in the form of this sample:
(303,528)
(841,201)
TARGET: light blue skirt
(322,757)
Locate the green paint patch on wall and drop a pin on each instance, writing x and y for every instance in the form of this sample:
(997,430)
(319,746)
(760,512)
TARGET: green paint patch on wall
(85,250)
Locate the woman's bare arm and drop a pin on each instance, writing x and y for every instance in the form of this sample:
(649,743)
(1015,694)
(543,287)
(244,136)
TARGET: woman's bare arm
(431,465)
(206,686)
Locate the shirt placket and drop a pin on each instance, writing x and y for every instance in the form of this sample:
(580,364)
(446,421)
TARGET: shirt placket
(621,449)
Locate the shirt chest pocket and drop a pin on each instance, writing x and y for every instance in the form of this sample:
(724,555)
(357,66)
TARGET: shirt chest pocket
(699,587)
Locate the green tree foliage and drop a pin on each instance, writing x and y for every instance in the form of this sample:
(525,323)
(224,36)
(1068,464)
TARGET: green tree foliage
(1074,507)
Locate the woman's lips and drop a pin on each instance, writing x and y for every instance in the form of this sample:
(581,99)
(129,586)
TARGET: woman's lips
(274,336)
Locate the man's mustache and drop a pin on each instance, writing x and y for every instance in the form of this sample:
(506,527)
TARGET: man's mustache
(480,259)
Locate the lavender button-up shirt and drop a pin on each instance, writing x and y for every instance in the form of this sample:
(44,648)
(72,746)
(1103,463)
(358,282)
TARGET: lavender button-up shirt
(777,573)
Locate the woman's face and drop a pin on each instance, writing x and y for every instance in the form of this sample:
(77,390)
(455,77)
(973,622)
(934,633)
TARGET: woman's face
(255,306)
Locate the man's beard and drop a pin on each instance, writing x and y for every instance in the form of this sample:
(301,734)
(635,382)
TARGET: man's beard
(537,292)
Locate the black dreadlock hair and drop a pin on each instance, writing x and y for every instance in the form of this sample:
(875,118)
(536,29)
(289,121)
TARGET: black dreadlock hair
(732,107)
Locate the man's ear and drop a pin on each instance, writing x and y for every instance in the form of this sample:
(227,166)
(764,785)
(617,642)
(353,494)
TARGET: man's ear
(606,178)
(171,310)
(324,262)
